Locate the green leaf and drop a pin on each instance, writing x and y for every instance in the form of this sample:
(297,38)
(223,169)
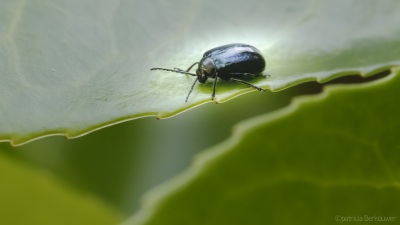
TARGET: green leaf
(324,158)
(70,67)
(33,197)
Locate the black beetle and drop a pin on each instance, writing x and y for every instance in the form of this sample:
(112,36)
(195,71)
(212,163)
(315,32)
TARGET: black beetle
(228,62)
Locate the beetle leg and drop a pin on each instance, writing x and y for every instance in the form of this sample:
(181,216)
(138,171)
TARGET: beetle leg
(190,67)
(252,75)
(266,76)
(248,84)
(191,89)
(214,86)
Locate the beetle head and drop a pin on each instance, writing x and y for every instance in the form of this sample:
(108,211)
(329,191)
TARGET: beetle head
(206,69)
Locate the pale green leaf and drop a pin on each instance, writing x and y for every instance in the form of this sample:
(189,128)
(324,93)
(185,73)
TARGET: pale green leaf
(70,67)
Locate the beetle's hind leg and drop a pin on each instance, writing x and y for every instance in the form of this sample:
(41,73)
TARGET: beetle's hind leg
(251,75)
(266,75)
(248,84)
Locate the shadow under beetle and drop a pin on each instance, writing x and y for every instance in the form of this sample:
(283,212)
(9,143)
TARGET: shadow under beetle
(228,62)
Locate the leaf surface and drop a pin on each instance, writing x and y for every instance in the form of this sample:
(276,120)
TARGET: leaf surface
(71,67)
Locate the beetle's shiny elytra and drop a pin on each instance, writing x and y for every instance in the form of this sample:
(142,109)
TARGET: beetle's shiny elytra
(228,62)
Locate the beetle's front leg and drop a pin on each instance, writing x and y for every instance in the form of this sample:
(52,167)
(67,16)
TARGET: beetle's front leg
(190,67)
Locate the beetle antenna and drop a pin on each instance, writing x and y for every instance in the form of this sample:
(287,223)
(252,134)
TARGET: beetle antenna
(175,71)
(191,89)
